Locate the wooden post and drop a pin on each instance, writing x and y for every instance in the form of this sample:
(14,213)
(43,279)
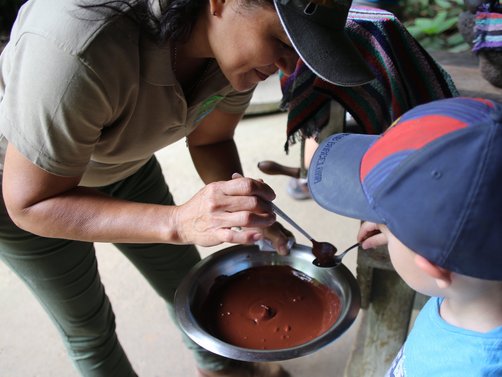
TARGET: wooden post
(384,326)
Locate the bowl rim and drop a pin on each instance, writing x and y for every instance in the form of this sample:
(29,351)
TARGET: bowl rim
(190,326)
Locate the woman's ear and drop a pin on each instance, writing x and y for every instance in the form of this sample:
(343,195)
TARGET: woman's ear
(439,274)
(216,7)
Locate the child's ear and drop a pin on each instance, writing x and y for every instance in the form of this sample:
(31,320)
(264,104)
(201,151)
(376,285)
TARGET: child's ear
(442,276)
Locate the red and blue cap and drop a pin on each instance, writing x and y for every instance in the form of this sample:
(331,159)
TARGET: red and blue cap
(434,178)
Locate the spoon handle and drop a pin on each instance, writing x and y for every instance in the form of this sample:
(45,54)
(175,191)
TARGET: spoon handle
(348,249)
(281,213)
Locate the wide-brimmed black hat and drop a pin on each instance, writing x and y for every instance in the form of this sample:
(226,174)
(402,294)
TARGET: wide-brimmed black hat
(317,30)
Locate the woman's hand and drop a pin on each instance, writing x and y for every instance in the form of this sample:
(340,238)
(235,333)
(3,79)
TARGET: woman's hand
(369,236)
(211,216)
(276,234)
(279,237)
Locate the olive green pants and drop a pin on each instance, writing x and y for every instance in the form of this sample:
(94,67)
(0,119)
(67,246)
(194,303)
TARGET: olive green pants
(64,276)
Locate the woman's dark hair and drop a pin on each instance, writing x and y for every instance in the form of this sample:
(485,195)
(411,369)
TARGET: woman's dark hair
(176,18)
(175,21)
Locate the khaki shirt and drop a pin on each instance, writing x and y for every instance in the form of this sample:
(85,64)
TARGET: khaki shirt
(80,94)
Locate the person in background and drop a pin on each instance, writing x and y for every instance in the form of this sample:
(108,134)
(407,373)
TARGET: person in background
(297,188)
(120,81)
(431,186)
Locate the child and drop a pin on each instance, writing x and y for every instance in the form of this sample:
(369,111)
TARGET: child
(432,185)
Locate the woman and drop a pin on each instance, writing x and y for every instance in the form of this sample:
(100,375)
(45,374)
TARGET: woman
(89,92)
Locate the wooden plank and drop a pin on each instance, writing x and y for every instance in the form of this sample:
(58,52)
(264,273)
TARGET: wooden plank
(384,326)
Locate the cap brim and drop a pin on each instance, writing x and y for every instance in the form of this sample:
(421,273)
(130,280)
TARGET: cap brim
(333,176)
(330,54)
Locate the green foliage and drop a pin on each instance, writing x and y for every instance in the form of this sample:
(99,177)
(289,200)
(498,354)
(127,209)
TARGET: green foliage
(434,23)
(8,13)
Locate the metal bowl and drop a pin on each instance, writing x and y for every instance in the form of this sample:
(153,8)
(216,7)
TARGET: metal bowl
(196,285)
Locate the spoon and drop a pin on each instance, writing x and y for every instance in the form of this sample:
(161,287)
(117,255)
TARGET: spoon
(323,251)
(337,259)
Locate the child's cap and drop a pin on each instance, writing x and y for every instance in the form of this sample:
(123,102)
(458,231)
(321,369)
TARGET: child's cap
(434,178)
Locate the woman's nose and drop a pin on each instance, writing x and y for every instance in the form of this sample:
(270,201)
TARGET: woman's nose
(287,62)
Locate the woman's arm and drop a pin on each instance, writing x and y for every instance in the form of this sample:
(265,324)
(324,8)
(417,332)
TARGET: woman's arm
(215,157)
(212,147)
(55,206)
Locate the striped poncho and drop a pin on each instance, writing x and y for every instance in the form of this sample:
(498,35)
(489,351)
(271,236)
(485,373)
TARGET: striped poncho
(406,76)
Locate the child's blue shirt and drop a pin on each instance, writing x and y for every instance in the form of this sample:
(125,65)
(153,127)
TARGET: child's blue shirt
(435,348)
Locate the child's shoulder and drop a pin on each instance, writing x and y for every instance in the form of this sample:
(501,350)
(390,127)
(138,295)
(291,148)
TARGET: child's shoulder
(437,348)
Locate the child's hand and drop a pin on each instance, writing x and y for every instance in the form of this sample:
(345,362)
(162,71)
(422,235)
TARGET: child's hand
(370,237)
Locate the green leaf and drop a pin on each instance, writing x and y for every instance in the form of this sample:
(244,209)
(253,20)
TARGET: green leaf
(460,48)
(441,17)
(447,24)
(423,23)
(455,39)
(445,4)
(415,31)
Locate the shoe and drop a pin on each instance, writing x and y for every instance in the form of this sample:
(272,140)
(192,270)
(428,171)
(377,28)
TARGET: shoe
(298,189)
(243,369)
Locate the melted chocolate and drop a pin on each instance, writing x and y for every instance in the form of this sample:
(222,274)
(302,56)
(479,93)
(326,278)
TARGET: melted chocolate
(324,253)
(269,307)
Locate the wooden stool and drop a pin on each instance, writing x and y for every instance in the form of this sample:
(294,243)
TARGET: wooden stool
(387,305)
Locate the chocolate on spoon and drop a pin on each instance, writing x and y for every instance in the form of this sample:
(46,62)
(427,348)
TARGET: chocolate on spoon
(323,251)
(326,257)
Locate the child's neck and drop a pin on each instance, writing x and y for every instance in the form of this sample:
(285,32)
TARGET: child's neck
(476,310)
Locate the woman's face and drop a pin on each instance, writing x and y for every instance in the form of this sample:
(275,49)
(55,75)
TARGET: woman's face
(249,43)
